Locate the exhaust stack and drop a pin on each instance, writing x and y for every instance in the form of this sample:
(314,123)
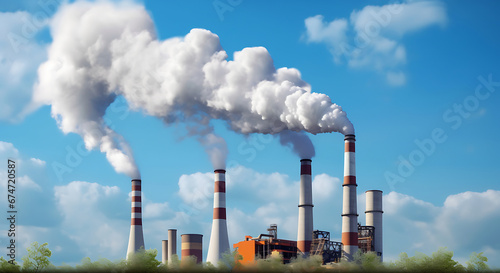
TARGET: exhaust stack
(349,208)
(164,251)
(192,245)
(374,218)
(172,244)
(219,240)
(136,239)
(305,229)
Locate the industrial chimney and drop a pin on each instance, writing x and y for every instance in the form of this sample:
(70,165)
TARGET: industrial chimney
(192,245)
(349,208)
(219,240)
(136,239)
(164,251)
(172,244)
(305,230)
(374,217)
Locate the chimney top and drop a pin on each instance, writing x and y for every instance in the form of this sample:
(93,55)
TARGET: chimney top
(350,137)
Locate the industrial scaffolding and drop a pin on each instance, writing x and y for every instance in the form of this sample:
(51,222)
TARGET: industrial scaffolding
(331,251)
(366,239)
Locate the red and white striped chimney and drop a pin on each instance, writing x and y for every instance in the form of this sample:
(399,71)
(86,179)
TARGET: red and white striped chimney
(304,236)
(136,239)
(219,241)
(350,208)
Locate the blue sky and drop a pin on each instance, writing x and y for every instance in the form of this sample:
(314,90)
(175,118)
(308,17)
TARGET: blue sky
(401,79)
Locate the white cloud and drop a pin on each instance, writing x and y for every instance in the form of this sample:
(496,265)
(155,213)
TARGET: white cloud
(85,221)
(396,78)
(25,182)
(37,161)
(197,189)
(463,224)
(20,56)
(8,150)
(324,186)
(377,31)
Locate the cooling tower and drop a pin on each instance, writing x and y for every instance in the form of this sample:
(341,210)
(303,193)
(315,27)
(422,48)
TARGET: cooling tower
(219,241)
(192,245)
(374,217)
(172,243)
(164,251)
(304,236)
(136,239)
(349,208)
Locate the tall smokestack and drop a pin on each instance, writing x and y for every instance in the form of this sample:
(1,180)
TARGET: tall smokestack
(374,217)
(172,243)
(136,239)
(219,240)
(164,251)
(349,209)
(304,236)
(192,245)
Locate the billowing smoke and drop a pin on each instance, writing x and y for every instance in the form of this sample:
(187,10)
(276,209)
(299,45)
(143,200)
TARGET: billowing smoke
(108,49)
(299,142)
(216,148)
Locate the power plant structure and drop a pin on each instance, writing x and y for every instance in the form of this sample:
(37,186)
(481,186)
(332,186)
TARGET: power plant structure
(349,207)
(136,239)
(262,246)
(305,228)
(172,244)
(164,251)
(192,245)
(219,240)
(354,236)
(374,218)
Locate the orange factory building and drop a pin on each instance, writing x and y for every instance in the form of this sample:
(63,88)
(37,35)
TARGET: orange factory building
(265,244)
(259,247)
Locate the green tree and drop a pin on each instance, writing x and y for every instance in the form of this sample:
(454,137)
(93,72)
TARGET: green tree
(477,262)
(229,261)
(102,264)
(440,260)
(5,266)
(37,258)
(369,261)
(144,260)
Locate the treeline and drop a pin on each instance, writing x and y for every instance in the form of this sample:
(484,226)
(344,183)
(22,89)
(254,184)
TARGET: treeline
(38,256)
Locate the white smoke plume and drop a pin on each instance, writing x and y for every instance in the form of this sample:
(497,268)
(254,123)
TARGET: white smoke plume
(299,142)
(216,148)
(109,49)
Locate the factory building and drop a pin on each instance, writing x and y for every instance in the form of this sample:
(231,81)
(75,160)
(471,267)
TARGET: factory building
(263,245)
